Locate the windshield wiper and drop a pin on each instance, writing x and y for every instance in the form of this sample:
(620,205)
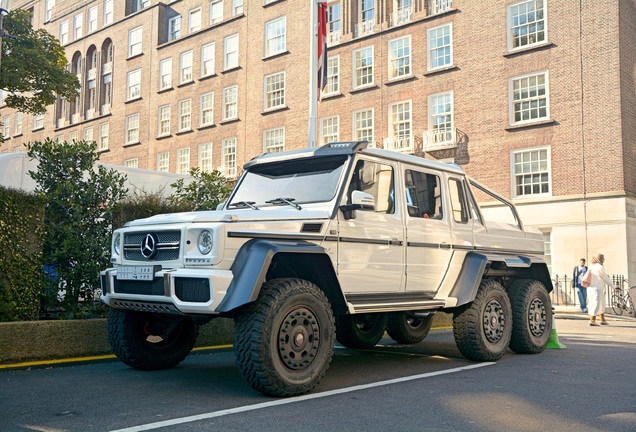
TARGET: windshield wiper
(243,204)
(289,201)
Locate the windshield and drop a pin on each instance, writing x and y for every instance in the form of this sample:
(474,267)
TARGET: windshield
(294,181)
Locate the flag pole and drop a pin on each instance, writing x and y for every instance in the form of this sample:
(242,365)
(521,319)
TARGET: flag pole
(313,73)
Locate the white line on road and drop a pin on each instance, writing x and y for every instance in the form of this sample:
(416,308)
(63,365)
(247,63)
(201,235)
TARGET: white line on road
(277,402)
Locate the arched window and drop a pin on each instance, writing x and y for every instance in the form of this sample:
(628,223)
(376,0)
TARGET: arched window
(106,82)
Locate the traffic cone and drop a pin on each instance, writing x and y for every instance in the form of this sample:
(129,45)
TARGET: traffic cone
(553,342)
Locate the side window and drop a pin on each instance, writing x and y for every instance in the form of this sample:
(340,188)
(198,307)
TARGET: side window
(423,195)
(458,201)
(375,179)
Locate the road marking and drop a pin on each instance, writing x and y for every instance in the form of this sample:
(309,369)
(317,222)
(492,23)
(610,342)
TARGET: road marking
(277,402)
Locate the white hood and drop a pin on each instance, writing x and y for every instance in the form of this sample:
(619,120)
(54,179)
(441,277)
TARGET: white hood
(231,216)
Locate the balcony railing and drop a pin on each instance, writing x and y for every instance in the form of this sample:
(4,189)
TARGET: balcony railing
(364,28)
(90,113)
(333,37)
(402,144)
(105,109)
(75,118)
(61,123)
(229,172)
(107,68)
(92,74)
(439,6)
(401,17)
(439,139)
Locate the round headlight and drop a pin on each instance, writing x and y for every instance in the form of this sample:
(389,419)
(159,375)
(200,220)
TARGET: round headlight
(205,242)
(117,244)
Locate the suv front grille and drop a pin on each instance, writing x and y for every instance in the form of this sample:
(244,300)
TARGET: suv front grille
(196,290)
(154,287)
(167,246)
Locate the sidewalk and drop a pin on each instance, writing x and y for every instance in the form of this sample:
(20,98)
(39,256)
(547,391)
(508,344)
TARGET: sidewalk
(574,312)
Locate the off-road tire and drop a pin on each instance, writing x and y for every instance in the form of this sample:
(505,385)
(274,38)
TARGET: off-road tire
(482,329)
(531,316)
(284,339)
(407,328)
(360,331)
(130,334)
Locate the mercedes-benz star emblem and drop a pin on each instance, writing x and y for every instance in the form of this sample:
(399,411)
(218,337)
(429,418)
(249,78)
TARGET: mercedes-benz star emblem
(148,246)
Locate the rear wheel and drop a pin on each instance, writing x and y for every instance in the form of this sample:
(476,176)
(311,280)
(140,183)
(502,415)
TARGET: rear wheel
(408,328)
(150,341)
(360,330)
(532,316)
(618,304)
(482,329)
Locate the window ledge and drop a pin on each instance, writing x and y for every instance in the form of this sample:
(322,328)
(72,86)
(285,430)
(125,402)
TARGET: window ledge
(184,132)
(400,80)
(232,69)
(161,137)
(273,2)
(536,47)
(104,150)
(38,129)
(273,56)
(540,123)
(134,56)
(275,110)
(205,77)
(208,126)
(228,121)
(331,96)
(185,84)
(133,100)
(164,90)
(132,144)
(363,88)
(441,70)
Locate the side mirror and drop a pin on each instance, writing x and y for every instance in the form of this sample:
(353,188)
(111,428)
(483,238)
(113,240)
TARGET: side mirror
(359,201)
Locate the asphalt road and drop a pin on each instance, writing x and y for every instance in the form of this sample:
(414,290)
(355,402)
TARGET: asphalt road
(589,386)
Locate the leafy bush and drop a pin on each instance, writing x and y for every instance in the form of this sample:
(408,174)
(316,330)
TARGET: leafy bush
(205,192)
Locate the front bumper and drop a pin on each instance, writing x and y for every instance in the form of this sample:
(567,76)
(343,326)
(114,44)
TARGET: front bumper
(185,291)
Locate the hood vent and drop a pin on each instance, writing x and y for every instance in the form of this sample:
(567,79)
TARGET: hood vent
(311,228)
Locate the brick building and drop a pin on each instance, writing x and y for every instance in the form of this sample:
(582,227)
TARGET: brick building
(535,99)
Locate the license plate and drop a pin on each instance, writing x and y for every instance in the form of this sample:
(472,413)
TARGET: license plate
(140,273)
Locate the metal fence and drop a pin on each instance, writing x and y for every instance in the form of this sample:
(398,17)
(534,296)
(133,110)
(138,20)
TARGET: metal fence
(564,295)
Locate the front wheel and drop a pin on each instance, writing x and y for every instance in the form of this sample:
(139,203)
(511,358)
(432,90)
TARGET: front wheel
(532,316)
(360,330)
(285,339)
(150,341)
(482,329)
(618,304)
(408,328)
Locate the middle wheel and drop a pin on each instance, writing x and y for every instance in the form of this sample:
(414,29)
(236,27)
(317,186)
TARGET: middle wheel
(407,328)
(361,330)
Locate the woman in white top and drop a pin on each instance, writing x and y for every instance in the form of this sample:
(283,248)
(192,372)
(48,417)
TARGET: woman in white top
(596,290)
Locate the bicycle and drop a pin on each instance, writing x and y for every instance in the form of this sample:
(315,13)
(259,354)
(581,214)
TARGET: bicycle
(622,302)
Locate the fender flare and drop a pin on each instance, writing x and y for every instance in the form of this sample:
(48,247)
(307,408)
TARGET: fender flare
(253,261)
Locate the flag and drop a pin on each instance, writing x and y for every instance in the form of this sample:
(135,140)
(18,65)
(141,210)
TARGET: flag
(322,47)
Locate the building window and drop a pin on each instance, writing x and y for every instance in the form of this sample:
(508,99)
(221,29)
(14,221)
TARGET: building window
(363,67)
(72,136)
(164,120)
(237,7)
(18,123)
(132,129)
(165,74)
(134,85)
(207,60)
(205,157)
(216,11)
(440,47)
(92,19)
(531,172)
(363,125)
(174,28)
(88,133)
(131,163)
(330,130)
(366,18)
(183,161)
(274,140)
(134,41)
(38,121)
(230,52)
(228,147)
(207,109)
(185,67)
(163,161)
(275,91)
(547,249)
(194,20)
(440,120)
(400,120)
(400,57)
(526,24)
(78,26)
(64,33)
(185,115)
(333,76)
(529,96)
(103,136)
(48,6)
(275,36)
(108,12)
(333,20)
(6,126)
(230,103)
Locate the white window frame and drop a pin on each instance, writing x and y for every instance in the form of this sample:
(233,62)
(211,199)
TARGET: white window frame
(396,119)
(92,19)
(174,28)
(104,133)
(185,67)
(183,160)
(205,157)
(194,20)
(231,51)
(228,148)
(38,121)
(132,129)
(438,116)
(216,11)
(64,32)
(131,163)
(237,7)
(439,48)
(207,59)
(185,115)
(527,100)
(230,103)
(206,109)
(330,129)
(274,92)
(78,26)
(133,85)
(108,12)
(163,161)
(165,74)
(18,124)
(164,120)
(532,171)
(6,126)
(363,13)
(333,76)
(88,133)
(398,59)
(274,140)
(48,10)
(276,36)
(135,38)
(533,33)
(358,68)
(363,126)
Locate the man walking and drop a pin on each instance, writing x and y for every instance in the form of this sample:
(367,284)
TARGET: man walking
(577,275)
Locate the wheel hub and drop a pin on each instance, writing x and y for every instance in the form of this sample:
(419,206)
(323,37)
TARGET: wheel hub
(537,317)
(298,338)
(494,321)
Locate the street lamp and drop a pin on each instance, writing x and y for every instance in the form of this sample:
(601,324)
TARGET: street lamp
(4,9)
